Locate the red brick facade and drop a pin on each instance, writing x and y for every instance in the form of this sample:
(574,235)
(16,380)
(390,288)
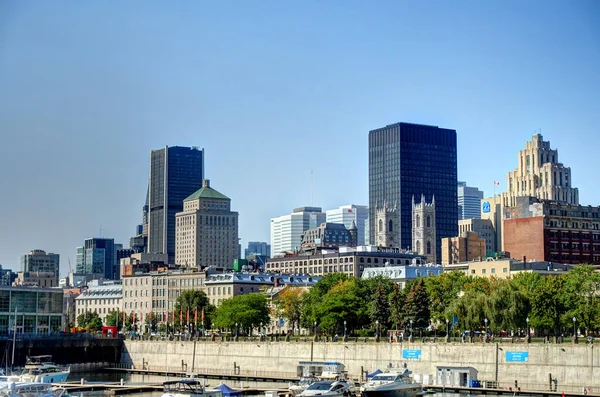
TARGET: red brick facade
(525,238)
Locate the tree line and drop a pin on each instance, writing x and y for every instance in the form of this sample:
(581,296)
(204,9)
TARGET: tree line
(342,304)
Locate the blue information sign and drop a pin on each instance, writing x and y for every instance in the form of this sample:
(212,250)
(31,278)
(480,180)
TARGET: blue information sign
(411,353)
(517,357)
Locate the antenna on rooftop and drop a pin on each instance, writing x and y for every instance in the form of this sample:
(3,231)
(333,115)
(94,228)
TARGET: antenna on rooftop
(312,187)
(100,230)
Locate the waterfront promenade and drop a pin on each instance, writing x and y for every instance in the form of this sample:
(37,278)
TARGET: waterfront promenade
(537,366)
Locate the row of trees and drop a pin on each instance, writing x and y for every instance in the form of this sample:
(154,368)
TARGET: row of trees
(547,304)
(339,303)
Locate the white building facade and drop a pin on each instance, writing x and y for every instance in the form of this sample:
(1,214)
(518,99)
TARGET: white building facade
(286,231)
(346,214)
(101,297)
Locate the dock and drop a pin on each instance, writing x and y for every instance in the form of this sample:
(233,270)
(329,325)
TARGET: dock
(256,377)
(504,392)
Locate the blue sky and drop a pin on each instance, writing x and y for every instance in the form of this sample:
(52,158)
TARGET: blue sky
(273,90)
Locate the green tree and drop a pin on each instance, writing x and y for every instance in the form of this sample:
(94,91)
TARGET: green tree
(90,320)
(442,291)
(115,318)
(548,304)
(470,310)
(312,300)
(397,300)
(380,308)
(194,302)
(248,311)
(507,307)
(582,286)
(341,303)
(416,306)
(289,301)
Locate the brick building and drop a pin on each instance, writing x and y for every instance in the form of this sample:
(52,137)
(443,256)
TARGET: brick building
(556,232)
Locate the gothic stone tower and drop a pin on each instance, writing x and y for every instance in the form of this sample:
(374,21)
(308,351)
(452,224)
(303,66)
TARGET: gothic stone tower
(387,228)
(423,231)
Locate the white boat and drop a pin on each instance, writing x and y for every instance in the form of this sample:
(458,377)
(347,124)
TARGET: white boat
(188,388)
(30,389)
(392,384)
(298,387)
(328,388)
(41,369)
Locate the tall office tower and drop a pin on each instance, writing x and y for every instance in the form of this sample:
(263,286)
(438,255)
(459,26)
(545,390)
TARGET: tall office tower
(407,160)
(346,214)
(206,230)
(98,256)
(539,174)
(469,201)
(175,173)
(40,261)
(286,231)
(258,248)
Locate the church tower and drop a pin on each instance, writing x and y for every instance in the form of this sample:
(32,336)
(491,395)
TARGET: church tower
(423,229)
(387,227)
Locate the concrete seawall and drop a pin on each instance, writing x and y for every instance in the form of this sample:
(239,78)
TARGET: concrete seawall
(530,365)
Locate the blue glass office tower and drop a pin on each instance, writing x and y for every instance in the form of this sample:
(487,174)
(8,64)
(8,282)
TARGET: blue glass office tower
(407,160)
(175,173)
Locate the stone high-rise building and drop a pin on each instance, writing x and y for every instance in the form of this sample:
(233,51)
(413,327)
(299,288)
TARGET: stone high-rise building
(387,233)
(175,173)
(540,175)
(424,229)
(286,231)
(206,230)
(40,261)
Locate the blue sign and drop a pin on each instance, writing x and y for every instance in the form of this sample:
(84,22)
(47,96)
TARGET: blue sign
(411,353)
(517,357)
(485,207)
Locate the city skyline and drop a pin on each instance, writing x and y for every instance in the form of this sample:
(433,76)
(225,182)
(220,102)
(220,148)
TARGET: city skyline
(83,105)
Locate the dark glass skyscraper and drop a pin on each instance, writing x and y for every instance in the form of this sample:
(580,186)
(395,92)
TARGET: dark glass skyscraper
(407,160)
(175,173)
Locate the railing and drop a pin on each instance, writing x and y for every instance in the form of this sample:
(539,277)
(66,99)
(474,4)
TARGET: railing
(540,387)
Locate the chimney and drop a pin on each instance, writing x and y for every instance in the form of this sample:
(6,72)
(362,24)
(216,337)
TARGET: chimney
(206,183)
(524,259)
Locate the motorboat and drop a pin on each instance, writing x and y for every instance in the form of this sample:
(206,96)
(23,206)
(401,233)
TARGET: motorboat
(30,389)
(328,388)
(324,370)
(305,381)
(188,388)
(41,369)
(392,384)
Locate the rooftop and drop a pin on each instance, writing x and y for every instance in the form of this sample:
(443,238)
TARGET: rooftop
(206,192)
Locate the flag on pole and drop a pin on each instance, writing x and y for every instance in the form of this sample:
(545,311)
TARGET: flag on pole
(123,316)
(187,318)
(202,316)
(173,317)
(164,317)
(196,316)
(496,183)
(180,317)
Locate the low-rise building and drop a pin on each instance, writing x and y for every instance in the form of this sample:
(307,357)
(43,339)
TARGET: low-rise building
(348,260)
(467,247)
(36,279)
(31,310)
(404,273)
(329,235)
(100,297)
(484,229)
(505,268)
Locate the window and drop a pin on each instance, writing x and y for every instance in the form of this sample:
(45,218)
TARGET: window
(418,221)
(493,270)
(428,221)
(483,271)
(380,225)
(418,247)
(390,226)
(428,247)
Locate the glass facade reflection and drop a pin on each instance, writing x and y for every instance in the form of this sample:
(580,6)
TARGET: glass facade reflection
(38,310)
(407,160)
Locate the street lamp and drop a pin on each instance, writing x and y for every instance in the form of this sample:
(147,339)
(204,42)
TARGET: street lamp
(236,330)
(260,329)
(574,329)
(315,327)
(411,329)
(344,328)
(447,328)
(528,331)
(376,328)
(486,331)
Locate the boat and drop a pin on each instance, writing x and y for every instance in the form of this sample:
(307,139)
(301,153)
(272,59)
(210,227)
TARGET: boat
(324,370)
(30,389)
(328,388)
(298,387)
(188,388)
(41,369)
(392,384)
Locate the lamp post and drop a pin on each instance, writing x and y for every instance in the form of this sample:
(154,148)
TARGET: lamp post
(376,329)
(411,330)
(574,330)
(344,328)
(236,330)
(447,330)
(486,331)
(528,331)
(315,328)
(260,329)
